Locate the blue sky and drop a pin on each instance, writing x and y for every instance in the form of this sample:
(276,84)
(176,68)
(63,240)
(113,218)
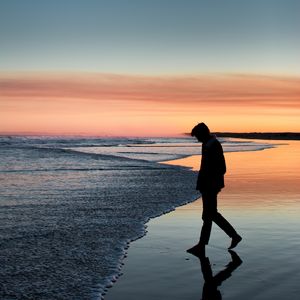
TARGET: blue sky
(151,36)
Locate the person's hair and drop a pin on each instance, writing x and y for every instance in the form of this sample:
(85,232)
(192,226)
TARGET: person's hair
(200,130)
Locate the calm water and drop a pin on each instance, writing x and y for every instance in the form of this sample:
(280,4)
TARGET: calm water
(69,206)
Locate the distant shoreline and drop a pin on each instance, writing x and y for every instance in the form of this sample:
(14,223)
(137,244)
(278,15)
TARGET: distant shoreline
(261,135)
(241,135)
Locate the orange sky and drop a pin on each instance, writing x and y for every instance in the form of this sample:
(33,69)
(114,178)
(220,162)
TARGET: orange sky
(128,105)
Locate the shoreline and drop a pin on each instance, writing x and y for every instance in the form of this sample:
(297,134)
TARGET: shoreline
(164,229)
(180,163)
(111,280)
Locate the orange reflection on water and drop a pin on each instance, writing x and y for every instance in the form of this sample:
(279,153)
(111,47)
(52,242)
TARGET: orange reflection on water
(266,178)
(271,171)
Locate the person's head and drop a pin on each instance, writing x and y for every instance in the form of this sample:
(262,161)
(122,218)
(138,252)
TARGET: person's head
(201,132)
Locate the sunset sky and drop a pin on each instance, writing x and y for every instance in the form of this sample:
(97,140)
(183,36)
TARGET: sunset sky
(149,68)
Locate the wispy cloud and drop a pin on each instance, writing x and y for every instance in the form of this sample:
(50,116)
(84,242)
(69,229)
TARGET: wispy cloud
(146,105)
(203,89)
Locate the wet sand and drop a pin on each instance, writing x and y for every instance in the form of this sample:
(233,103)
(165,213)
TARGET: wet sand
(262,200)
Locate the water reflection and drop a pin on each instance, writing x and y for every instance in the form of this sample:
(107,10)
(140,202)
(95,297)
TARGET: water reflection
(212,282)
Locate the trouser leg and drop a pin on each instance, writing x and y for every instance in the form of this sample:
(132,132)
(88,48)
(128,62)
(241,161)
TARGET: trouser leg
(224,225)
(205,231)
(209,203)
(210,214)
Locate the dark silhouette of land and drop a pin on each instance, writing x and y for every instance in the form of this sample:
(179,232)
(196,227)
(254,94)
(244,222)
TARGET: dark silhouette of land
(259,135)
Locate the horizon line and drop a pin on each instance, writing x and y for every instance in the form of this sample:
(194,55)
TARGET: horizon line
(111,135)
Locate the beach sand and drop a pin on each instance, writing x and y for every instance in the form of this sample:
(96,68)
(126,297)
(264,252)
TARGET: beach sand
(262,200)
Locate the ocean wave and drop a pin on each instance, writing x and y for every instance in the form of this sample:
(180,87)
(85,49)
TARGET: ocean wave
(58,142)
(68,213)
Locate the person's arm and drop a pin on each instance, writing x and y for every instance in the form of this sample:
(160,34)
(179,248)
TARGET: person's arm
(214,168)
(199,185)
(217,160)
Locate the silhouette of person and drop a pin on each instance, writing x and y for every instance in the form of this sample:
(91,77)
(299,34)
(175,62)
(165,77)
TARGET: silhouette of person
(210,182)
(212,282)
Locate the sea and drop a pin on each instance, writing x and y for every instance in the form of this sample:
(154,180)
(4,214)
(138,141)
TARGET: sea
(70,206)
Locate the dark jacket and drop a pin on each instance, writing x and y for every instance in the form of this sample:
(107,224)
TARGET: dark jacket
(213,167)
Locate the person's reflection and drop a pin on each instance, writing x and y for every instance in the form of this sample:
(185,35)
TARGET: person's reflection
(212,282)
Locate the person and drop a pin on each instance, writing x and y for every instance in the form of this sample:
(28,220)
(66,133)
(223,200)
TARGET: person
(210,182)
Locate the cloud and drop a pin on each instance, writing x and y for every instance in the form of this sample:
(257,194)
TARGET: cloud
(225,90)
(112,104)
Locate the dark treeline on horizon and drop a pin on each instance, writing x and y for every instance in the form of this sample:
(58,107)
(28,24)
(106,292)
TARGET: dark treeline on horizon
(261,135)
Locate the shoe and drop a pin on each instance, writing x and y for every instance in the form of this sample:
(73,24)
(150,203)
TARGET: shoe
(235,240)
(196,249)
